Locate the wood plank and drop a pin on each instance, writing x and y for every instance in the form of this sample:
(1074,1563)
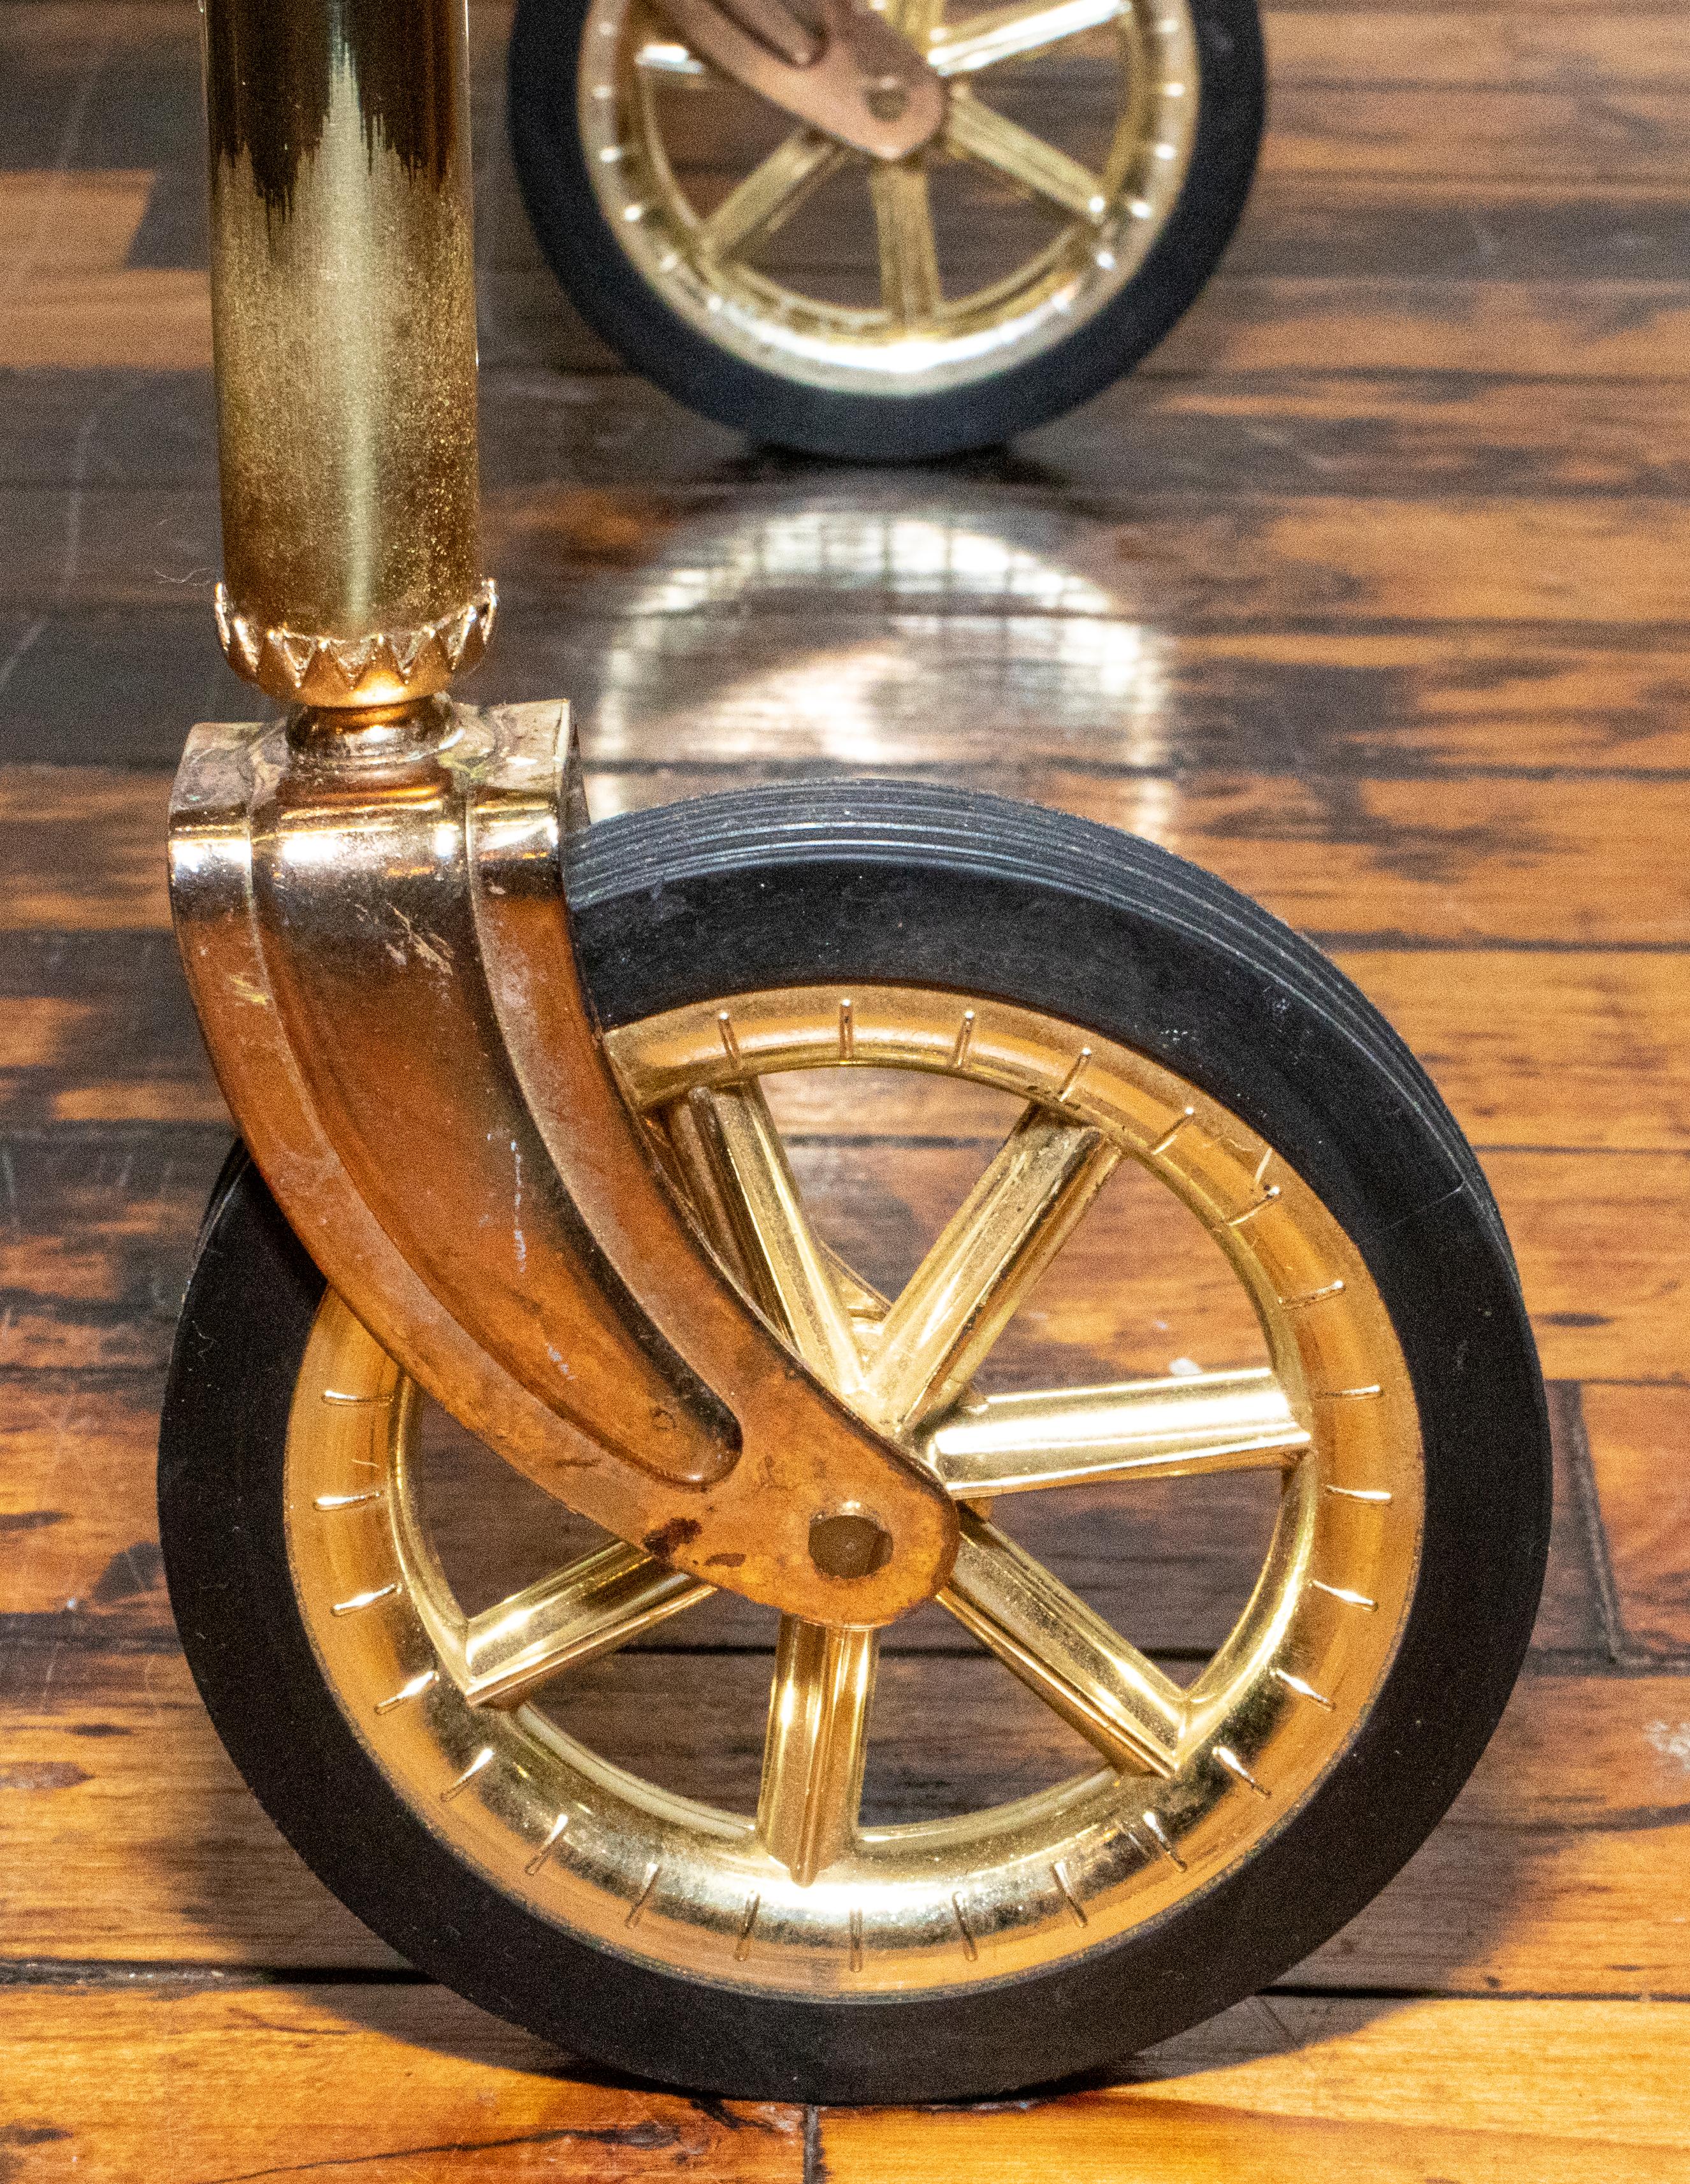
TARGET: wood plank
(1173,1564)
(153,319)
(83,850)
(196,2085)
(77,1506)
(1399,227)
(1565,1830)
(1515,561)
(1500,2092)
(1598,1236)
(1594,47)
(96,1252)
(1245,438)
(998,691)
(1387,435)
(59,222)
(115,86)
(636,551)
(157,318)
(1389,228)
(1616,329)
(98,1028)
(1639,1441)
(1517,859)
(1391,645)
(1299,317)
(1570,1615)
(1495,100)
(95,1233)
(1601,1245)
(1458,131)
(1559,1870)
(1434,12)
(1574,1051)
(1513,861)
(1578,1050)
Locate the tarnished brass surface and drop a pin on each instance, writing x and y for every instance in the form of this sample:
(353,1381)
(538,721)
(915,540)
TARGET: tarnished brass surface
(798,1896)
(385,667)
(370,902)
(856,79)
(381,959)
(343,321)
(961,286)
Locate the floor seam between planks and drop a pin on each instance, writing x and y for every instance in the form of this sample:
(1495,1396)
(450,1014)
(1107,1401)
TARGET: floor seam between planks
(1593,1533)
(127,1973)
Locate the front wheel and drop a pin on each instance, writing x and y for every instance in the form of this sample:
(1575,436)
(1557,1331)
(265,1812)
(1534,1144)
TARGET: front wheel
(1094,160)
(1294,1298)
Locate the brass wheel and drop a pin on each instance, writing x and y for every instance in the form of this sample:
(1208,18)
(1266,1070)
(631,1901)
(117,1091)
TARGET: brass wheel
(1193,1236)
(1092,158)
(929,272)
(1187,1778)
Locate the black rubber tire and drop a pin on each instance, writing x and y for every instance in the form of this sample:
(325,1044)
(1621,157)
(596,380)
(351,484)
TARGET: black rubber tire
(603,283)
(782,886)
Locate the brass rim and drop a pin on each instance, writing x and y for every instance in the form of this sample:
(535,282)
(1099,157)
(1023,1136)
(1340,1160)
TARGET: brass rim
(799,1897)
(937,321)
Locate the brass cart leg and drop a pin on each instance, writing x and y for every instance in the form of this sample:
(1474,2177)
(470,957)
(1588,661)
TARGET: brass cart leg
(368,894)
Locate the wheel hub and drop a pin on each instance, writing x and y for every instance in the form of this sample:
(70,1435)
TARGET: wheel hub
(858,82)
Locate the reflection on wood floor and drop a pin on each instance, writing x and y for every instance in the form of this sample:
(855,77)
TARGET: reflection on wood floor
(1369,593)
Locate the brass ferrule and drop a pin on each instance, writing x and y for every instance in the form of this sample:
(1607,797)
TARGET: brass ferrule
(343,320)
(349,738)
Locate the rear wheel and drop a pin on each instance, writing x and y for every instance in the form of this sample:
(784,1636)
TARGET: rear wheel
(415,1683)
(1094,158)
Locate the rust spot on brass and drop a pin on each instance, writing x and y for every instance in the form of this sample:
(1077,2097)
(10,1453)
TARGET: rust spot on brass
(666,1539)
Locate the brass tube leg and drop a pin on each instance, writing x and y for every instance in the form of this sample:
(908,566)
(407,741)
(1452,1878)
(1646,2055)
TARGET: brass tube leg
(343,315)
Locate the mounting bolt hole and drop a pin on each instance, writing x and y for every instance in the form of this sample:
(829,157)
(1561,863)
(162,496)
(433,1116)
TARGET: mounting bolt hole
(850,1545)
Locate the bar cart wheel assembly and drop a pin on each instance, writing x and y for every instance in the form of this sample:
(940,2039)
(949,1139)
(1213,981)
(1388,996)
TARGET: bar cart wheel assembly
(504,1084)
(884,234)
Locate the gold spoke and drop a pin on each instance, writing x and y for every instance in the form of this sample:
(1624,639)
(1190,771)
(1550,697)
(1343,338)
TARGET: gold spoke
(814,1750)
(1002,34)
(1048,1637)
(1168,1428)
(669,57)
(997,1243)
(903,227)
(789,1267)
(915,20)
(690,1150)
(769,193)
(973,132)
(591,1608)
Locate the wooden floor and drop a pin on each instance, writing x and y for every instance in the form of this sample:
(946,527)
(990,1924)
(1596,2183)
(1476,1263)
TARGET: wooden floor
(1371,592)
